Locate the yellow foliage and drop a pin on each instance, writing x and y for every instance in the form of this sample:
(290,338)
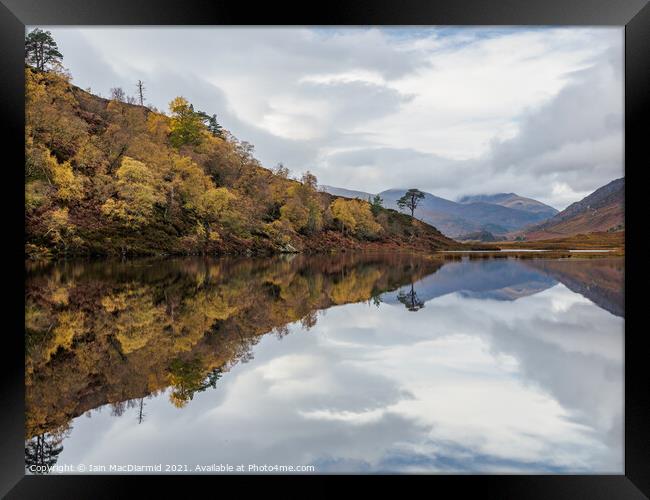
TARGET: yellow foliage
(115,302)
(137,194)
(341,211)
(186,126)
(294,212)
(192,181)
(35,195)
(59,295)
(302,209)
(158,127)
(70,324)
(356,217)
(59,227)
(214,201)
(69,186)
(137,318)
(279,231)
(356,286)
(89,157)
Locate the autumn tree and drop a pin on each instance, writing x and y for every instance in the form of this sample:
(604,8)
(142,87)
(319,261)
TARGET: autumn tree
(186,125)
(342,213)
(355,217)
(41,51)
(69,185)
(308,179)
(281,171)
(244,151)
(208,204)
(302,208)
(127,128)
(118,94)
(211,208)
(48,116)
(136,194)
(60,229)
(410,200)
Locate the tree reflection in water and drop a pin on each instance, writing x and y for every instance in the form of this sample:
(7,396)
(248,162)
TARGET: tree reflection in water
(410,299)
(115,333)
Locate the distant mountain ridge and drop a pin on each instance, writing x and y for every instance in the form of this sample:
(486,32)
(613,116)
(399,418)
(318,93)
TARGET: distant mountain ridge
(346,193)
(512,200)
(498,214)
(603,210)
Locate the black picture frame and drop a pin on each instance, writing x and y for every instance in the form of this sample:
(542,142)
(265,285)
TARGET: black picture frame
(634,15)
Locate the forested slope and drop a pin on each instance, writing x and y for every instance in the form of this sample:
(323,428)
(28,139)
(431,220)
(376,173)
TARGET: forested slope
(107,177)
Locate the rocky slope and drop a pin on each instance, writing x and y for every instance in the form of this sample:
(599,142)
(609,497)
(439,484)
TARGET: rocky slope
(601,211)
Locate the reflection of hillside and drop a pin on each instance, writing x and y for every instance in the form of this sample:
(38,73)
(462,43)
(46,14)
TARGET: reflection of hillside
(490,279)
(599,280)
(113,333)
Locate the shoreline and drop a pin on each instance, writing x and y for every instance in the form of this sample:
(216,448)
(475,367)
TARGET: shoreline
(457,255)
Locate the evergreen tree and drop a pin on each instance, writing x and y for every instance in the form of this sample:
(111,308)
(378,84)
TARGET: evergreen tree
(410,200)
(212,124)
(41,51)
(43,451)
(376,204)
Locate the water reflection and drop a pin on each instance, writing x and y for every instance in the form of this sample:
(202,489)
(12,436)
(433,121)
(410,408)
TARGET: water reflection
(496,365)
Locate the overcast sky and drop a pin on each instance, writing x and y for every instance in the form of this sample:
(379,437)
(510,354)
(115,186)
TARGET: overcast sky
(451,111)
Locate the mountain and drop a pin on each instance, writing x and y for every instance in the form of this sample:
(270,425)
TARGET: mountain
(512,200)
(497,214)
(601,211)
(457,219)
(346,193)
(108,177)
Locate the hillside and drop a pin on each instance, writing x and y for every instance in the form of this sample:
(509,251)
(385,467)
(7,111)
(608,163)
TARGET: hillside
(601,211)
(107,177)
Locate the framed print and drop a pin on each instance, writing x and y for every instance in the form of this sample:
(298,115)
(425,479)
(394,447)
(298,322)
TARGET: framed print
(374,240)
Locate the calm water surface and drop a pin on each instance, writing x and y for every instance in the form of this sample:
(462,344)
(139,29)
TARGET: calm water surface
(392,363)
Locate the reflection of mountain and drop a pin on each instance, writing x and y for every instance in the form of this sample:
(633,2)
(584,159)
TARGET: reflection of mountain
(599,280)
(108,335)
(490,279)
(113,333)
